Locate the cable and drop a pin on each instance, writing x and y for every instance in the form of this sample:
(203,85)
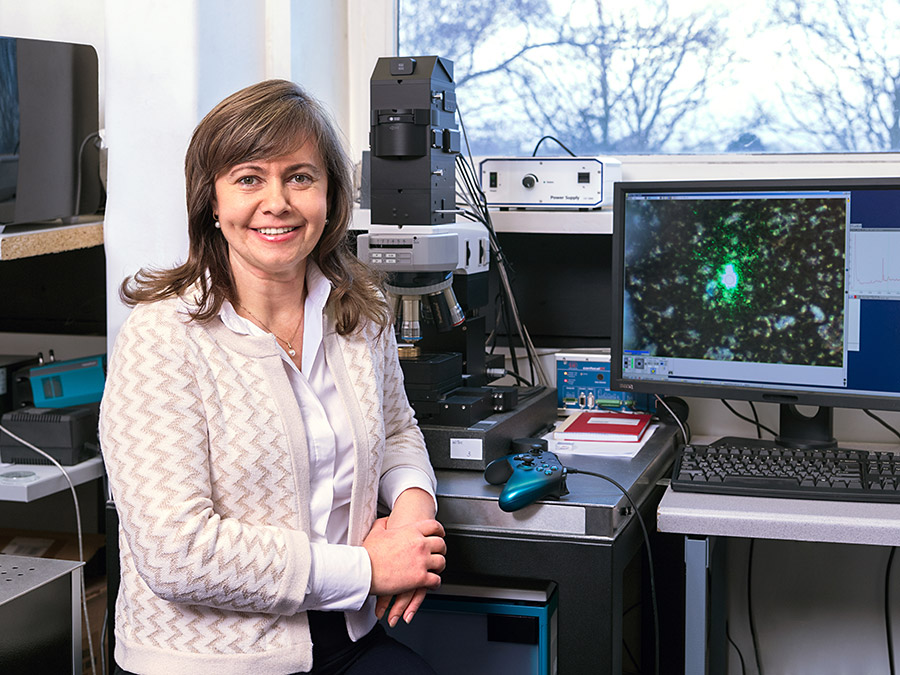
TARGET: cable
(555,140)
(684,432)
(92,136)
(630,656)
(503,372)
(87,620)
(882,423)
(527,392)
(473,196)
(103,641)
(504,311)
(759,426)
(640,519)
(756,419)
(736,648)
(747,419)
(887,610)
(750,618)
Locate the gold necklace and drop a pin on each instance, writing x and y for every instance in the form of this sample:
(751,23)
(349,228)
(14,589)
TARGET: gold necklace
(290,347)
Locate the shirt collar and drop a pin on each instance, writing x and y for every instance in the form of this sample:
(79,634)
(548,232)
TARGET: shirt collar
(318,288)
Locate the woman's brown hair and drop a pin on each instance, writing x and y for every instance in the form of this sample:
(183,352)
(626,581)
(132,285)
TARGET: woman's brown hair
(268,119)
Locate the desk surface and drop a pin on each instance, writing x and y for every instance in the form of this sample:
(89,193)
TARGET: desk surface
(593,507)
(21,574)
(47,479)
(23,241)
(789,519)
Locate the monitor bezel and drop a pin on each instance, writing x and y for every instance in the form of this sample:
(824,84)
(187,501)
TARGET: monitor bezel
(785,396)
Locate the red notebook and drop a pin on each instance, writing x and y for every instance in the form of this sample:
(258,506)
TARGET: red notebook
(597,425)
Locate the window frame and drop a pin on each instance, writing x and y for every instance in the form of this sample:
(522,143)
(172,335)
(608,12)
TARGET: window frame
(373,32)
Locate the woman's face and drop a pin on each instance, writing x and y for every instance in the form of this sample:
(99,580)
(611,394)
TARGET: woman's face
(272,213)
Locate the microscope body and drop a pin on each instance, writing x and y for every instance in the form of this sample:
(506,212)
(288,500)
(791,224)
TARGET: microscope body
(433,261)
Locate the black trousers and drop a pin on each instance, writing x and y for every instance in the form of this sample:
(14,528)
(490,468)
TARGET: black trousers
(334,653)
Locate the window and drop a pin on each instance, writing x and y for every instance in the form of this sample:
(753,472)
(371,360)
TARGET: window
(667,77)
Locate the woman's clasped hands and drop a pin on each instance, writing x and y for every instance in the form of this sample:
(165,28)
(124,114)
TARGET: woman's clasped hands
(407,552)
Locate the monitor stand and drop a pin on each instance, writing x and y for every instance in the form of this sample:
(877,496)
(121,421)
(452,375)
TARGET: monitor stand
(795,429)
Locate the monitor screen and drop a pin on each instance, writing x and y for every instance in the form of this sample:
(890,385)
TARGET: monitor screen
(782,291)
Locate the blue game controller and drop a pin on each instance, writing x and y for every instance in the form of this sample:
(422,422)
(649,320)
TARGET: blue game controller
(531,473)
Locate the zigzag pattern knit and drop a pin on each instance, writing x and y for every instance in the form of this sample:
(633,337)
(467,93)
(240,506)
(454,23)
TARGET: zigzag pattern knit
(206,452)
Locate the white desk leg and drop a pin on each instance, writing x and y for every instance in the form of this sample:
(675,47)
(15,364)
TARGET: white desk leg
(696,561)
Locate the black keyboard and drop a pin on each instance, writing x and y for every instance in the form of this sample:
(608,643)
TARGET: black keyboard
(750,467)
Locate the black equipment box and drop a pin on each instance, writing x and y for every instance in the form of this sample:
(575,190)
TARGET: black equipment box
(476,445)
(15,389)
(68,435)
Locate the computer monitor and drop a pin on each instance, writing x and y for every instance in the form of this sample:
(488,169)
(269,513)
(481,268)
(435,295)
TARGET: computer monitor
(782,291)
(49,112)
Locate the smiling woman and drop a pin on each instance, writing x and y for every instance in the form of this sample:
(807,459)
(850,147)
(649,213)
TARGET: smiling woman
(254,417)
(255,126)
(272,213)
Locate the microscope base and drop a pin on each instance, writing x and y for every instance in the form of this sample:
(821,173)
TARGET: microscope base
(476,446)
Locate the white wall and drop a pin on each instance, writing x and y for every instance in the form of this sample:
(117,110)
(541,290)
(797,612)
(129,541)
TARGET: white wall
(167,64)
(80,22)
(164,64)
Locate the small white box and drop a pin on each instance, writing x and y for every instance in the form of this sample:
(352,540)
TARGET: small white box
(550,182)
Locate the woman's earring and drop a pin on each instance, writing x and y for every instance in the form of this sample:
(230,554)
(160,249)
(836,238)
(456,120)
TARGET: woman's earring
(216,223)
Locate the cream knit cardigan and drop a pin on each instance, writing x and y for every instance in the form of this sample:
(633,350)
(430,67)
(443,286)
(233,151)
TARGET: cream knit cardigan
(206,452)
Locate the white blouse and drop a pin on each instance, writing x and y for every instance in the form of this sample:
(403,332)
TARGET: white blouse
(341,574)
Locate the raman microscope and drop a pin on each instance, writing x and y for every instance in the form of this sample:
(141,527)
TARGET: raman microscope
(438,271)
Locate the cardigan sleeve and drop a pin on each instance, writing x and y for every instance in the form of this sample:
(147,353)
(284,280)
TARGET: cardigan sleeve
(155,440)
(404,443)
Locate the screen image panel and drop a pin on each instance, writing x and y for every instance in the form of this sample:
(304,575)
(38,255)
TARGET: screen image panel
(730,277)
